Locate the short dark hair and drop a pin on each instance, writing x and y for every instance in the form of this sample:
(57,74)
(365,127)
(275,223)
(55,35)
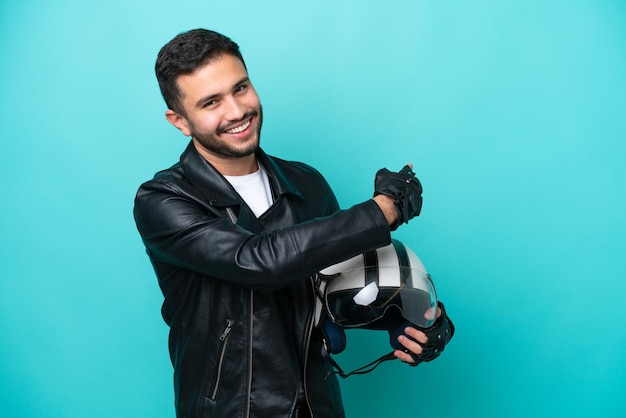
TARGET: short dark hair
(184,54)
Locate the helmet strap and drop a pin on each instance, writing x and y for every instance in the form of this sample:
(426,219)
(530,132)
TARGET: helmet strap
(361,370)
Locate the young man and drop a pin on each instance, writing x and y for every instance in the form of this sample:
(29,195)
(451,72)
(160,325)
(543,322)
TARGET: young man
(235,235)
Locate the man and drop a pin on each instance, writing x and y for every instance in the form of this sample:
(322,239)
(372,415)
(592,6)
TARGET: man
(235,236)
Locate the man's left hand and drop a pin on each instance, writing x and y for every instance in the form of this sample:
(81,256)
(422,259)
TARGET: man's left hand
(427,344)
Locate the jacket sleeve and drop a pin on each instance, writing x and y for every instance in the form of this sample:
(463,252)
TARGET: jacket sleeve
(180,232)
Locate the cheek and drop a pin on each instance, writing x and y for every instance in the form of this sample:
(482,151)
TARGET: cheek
(253,99)
(207,123)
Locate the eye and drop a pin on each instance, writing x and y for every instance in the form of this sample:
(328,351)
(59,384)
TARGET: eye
(241,87)
(210,103)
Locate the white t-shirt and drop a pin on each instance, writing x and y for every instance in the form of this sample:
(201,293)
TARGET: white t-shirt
(254,189)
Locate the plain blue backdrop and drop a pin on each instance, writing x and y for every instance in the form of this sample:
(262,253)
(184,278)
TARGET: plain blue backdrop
(512,112)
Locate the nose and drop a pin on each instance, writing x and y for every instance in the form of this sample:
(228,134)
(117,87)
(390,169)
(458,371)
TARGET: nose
(234,109)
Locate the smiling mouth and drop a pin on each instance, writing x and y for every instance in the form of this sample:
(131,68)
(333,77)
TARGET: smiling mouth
(239,128)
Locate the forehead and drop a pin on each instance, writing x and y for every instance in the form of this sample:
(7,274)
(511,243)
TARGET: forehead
(215,77)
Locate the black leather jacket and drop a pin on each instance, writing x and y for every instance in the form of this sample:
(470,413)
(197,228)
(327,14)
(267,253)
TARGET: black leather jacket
(238,297)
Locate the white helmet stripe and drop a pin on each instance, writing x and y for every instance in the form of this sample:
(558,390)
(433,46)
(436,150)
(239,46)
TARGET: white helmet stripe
(388,260)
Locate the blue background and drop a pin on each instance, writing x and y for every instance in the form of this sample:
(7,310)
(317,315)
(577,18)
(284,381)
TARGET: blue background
(511,111)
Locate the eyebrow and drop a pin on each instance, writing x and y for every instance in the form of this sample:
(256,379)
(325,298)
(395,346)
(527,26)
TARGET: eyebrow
(205,99)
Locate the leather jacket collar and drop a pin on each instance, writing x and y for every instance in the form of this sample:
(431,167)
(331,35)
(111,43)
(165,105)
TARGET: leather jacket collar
(202,173)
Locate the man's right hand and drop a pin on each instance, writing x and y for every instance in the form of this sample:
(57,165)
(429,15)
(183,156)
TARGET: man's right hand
(405,190)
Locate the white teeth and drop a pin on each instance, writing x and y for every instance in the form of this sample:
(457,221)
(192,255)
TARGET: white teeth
(239,128)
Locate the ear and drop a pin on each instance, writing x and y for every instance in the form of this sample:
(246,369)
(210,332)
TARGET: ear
(179,121)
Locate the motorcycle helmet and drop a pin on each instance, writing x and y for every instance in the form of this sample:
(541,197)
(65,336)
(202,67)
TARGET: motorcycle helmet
(383,289)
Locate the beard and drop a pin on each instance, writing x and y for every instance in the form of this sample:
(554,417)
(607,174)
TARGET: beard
(213,144)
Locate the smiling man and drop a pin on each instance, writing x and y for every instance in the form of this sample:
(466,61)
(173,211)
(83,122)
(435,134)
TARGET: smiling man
(235,237)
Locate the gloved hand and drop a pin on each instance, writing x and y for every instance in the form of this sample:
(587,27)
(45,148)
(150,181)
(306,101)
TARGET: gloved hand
(439,334)
(404,188)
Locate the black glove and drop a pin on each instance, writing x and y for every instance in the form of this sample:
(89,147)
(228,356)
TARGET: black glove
(404,188)
(439,334)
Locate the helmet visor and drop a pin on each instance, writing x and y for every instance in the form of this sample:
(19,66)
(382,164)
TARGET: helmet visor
(361,297)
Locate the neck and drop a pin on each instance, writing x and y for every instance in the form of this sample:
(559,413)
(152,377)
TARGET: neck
(236,166)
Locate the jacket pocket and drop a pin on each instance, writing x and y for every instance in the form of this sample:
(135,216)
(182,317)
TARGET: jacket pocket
(220,362)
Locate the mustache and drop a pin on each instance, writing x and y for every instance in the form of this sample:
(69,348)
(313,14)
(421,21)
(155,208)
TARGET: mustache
(247,115)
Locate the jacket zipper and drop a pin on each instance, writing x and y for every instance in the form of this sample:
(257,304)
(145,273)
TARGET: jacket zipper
(306,351)
(250,351)
(233,218)
(231,215)
(223,344)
